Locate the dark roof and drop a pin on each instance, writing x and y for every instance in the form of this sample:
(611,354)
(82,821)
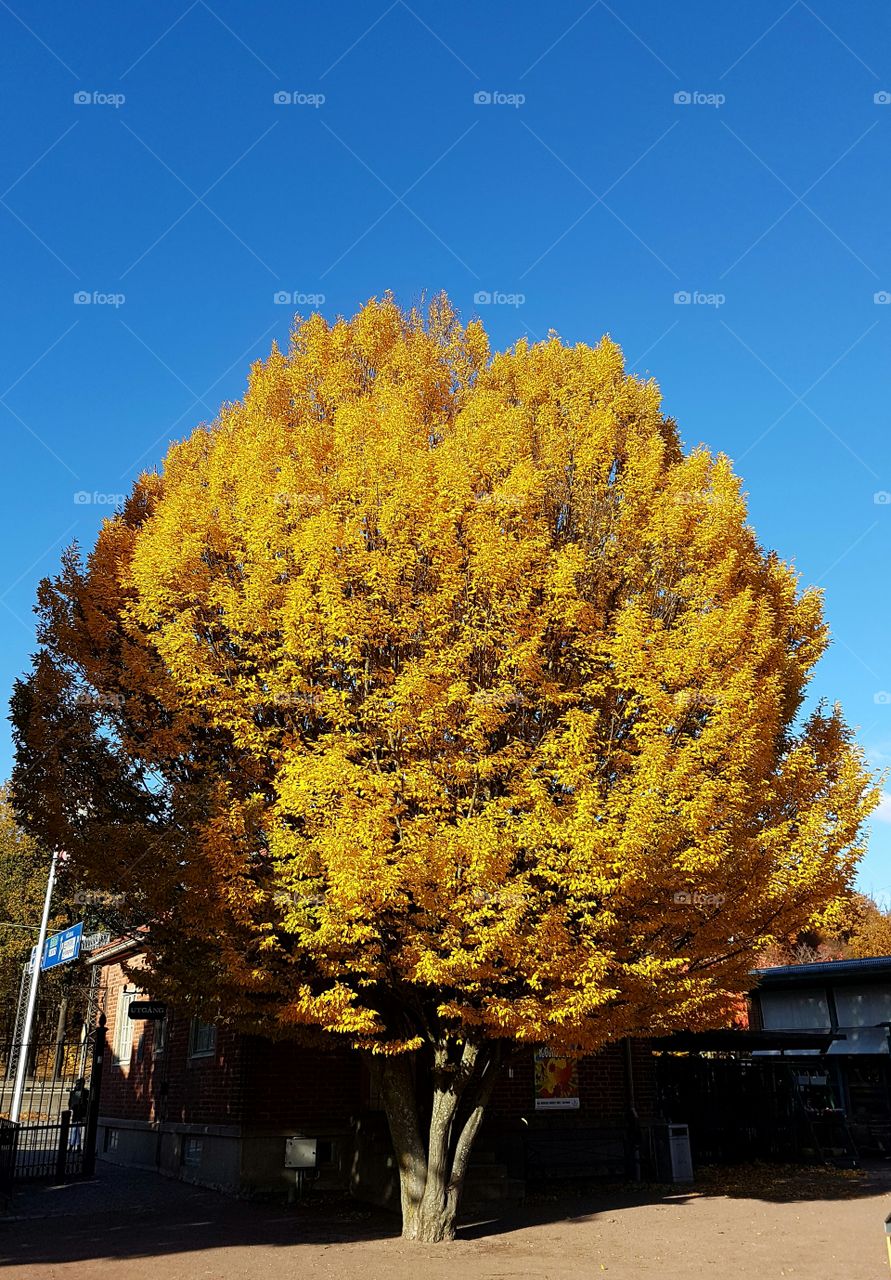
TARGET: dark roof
(814,974)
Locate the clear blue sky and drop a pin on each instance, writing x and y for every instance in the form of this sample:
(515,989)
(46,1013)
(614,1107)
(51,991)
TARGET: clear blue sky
(581,190)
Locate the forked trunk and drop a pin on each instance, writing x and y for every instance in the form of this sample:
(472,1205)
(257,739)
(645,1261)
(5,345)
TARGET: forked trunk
(432,1166)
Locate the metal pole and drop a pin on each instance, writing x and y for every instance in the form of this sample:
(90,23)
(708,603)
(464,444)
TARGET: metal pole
(25,1046)
(92,1125)
(13,1046)
(62,1148)
(61,1025)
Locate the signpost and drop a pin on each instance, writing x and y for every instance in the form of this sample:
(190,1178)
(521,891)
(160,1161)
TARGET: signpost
(60,948)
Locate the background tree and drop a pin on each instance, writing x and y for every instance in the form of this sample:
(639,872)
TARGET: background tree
(455,703)
(63,992)
(23,872)
(870,932)
(856,927)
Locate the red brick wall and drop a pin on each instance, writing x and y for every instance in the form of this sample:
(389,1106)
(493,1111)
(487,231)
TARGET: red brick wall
(602,1088)
(287,1086)
(248,1081)
(268,1086)
(171,1085)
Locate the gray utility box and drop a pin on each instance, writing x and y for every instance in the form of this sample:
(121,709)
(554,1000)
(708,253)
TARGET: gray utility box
(300,1153)
(672,1149)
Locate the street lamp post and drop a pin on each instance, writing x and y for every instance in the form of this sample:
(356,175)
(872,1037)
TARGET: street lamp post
(25,1046)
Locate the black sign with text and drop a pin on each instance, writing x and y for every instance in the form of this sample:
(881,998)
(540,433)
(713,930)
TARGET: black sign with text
(146,1011)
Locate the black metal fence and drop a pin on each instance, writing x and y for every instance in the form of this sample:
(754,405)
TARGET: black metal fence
(52,1151)
(9,1133)
(54,1138)
(51,1074)
(740,1109)
(59,1052)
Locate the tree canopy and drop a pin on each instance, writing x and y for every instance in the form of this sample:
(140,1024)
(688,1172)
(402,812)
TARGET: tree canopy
(448,697)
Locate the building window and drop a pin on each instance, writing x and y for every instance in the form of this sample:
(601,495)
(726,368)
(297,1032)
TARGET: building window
(123,1027)
(191,1152)
(111,1140)
(202,1039)
(159,1041)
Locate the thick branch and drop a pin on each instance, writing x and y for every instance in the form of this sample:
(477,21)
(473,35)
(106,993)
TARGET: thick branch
(398,1089)
(482,1094)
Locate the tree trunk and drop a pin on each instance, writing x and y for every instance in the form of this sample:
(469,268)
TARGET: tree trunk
(432,1167)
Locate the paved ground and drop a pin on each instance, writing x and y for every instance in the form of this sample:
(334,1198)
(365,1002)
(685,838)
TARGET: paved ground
(753,1225)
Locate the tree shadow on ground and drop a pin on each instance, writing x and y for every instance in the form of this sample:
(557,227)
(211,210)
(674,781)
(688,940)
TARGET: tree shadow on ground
(79,1222)
(125,1215)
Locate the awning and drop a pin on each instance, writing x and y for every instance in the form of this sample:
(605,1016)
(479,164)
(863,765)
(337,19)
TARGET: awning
(729,1040)
(856,1040)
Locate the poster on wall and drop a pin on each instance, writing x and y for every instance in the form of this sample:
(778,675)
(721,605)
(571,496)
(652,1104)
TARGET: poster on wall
(556,1082)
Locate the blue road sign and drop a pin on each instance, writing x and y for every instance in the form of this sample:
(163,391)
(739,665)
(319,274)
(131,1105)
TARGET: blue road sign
(62,947)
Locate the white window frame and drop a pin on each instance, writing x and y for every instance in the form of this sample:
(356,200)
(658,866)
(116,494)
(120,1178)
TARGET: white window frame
(124,1027)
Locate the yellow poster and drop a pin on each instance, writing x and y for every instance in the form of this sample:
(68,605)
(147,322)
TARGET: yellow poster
(556,1082)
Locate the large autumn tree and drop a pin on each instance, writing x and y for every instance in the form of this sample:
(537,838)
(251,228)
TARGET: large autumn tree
(432,702)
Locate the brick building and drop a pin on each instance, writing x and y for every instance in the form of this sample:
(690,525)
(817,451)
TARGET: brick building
(211,1105)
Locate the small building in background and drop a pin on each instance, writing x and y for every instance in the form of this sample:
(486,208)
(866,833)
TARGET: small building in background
(849,1000)
(210,1105)
(808,1080)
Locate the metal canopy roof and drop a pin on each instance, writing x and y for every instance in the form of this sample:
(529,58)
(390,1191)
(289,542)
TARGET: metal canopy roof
(729,1039)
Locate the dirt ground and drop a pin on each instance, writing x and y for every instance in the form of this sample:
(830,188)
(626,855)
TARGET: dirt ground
(756,1224)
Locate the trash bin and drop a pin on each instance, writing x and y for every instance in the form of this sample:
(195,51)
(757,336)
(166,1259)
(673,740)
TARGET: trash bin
(672,1149)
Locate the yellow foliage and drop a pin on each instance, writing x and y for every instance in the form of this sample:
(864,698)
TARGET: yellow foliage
(467,698)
